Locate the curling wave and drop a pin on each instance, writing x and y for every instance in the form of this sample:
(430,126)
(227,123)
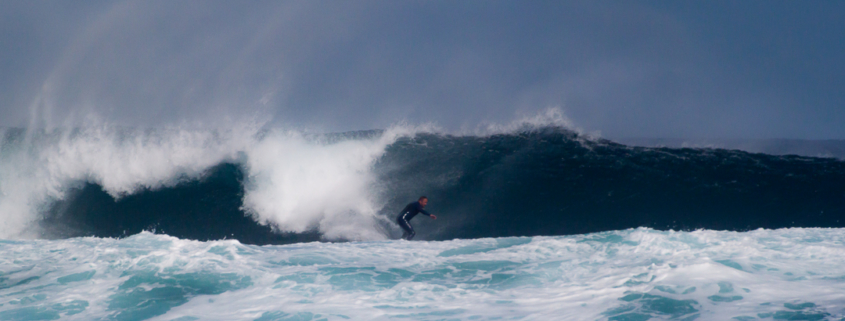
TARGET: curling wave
(271,186)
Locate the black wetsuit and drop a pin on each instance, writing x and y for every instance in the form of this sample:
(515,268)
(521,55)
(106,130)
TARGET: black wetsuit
(406,215)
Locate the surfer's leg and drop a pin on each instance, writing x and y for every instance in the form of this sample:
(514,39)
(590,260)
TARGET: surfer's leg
(408,233)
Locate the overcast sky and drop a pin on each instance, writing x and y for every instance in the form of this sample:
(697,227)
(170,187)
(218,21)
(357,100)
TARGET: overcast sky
(727,69)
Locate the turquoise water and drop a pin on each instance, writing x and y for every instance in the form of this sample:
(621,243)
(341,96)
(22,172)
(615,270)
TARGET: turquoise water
(637,274)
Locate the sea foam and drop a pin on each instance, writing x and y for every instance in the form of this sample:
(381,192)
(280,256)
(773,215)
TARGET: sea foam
(294,182)
(635,274)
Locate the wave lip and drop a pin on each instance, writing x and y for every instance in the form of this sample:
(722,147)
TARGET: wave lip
(42,167)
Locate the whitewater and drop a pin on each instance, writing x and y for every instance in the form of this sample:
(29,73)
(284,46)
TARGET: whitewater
(635,274)
(294,181)
(536,221)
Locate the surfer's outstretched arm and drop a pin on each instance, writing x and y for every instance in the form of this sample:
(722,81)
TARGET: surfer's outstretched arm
(427,213)
(432,216)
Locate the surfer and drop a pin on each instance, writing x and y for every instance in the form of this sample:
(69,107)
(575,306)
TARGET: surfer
(408,213)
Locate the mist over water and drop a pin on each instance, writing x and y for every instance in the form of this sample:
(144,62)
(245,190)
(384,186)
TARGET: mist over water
(634,69)
(246,161)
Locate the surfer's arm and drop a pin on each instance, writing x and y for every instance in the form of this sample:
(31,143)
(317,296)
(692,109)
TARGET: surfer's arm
(428,214)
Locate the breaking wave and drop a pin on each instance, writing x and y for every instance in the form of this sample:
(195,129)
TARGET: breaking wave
(265,186)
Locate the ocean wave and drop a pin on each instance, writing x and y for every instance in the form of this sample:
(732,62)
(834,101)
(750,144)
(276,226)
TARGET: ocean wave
(265,186)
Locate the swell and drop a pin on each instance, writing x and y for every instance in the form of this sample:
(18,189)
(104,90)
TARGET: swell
(549,181)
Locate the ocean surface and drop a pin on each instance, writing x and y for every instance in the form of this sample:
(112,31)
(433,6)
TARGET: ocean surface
(635,274)
(534,223)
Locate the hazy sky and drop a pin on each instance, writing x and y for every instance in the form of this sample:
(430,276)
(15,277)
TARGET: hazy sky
(740,69)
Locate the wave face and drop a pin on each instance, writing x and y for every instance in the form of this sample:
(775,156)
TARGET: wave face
(274,187)
(638,274)
(554,182)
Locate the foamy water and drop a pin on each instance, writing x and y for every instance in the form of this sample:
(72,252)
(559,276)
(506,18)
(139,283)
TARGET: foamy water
(295,182)
(623,275)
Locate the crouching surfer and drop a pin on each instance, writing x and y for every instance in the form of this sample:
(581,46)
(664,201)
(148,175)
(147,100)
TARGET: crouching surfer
(408,213)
